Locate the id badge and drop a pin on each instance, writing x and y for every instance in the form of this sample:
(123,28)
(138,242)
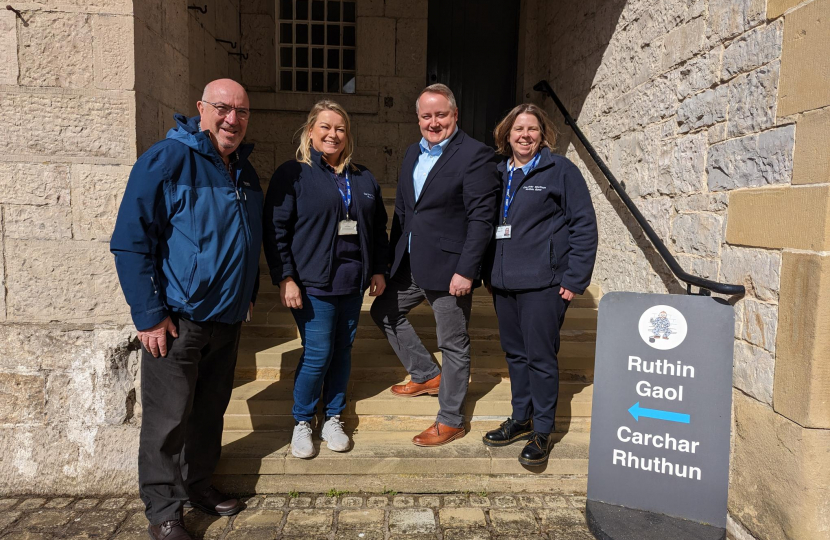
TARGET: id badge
(503,232)
(346,227)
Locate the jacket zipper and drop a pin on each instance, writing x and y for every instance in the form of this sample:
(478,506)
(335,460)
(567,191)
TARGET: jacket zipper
(336,225)
(246,227)
(501,255)
(363,250)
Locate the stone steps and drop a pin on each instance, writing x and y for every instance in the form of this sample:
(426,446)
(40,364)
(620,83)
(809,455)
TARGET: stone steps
(258,423)
(261,461)
(272,319)
(266,406)
(373,358)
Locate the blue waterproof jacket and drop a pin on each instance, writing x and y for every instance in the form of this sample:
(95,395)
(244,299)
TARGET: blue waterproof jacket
(188,234)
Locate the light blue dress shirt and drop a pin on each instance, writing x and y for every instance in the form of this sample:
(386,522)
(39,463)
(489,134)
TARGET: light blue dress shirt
(426,161)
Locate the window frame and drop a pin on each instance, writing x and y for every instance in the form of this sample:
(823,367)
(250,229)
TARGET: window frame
(343,75)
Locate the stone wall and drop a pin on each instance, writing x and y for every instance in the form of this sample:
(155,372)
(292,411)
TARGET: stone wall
(391,71)
(85,87)
(67,361)
(210,59)
(695,104)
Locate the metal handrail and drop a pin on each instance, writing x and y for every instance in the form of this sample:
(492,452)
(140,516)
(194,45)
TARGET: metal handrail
(705,285)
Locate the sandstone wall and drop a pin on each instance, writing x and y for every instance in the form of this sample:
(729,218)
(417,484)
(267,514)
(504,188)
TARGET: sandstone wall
(67,360)
(210,59)
(85,87)
(695,105)
(391,71)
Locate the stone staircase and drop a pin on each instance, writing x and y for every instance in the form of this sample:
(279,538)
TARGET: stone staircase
(258,422)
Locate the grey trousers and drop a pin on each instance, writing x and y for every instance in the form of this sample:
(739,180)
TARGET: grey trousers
(452,320)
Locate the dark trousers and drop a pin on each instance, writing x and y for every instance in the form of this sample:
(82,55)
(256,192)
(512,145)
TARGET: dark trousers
(529,323)
(452,321)
(183,398)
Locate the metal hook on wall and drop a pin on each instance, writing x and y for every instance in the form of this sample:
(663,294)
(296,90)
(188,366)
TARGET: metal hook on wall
(201,10)
(243,55)
(231,43)
(19,15)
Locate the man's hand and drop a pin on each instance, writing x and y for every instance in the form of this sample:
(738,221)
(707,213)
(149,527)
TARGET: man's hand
(290,294)
(459,286)
(155,339)
(250,316)
(566,294)
(377,285)
(489,288)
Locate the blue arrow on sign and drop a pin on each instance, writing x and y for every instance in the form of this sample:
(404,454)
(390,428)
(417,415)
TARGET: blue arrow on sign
(637,411)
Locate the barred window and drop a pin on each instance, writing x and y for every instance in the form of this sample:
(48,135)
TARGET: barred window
(316,41)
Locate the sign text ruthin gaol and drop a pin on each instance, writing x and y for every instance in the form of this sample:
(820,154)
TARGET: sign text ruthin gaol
(661,415)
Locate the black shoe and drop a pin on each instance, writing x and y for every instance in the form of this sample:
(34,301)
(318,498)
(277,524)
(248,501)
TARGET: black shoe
(169,530)
(508,432)
(537,449)
(214,502)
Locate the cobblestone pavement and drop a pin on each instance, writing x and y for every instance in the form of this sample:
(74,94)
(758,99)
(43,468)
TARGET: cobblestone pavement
(341,516)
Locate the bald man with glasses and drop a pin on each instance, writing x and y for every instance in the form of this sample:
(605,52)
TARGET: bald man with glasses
(186,246)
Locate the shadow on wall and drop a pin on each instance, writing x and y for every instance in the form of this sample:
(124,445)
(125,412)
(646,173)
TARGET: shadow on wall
(573,37)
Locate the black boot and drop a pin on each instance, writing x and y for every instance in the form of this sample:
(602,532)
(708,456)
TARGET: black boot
(508,432)
(537,449)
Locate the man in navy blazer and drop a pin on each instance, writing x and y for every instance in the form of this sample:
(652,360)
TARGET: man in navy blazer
(445,210)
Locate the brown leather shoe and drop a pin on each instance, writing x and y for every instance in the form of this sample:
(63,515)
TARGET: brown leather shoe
(169,530)
(438,434)
(412,389)
(215,503)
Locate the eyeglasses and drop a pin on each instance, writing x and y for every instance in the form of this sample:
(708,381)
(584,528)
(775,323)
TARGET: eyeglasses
(224,110)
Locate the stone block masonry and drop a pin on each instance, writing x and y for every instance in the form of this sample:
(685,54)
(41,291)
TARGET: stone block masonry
(391,51)
(67,359)
(745,80)
(82,87)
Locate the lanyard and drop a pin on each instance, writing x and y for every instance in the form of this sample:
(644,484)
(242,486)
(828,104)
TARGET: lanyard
(347,197)
(507,198)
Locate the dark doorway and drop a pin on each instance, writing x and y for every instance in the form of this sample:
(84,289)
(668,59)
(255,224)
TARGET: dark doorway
(472,47)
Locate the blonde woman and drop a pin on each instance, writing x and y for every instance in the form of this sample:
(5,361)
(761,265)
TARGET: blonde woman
(544,251)
(325,242)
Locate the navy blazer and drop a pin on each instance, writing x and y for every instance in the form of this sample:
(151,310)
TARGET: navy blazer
(452,222)
(302,209)
(554,230)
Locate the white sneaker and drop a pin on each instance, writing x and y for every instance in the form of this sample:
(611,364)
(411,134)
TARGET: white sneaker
(336,439)
(301,444)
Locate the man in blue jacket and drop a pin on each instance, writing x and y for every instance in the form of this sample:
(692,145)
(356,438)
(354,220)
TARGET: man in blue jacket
(186,246)
(445,210)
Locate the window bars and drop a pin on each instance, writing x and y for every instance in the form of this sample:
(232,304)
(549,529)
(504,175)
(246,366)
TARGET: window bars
(316,42)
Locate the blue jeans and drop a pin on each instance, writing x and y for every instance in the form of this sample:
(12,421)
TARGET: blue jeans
(327,328)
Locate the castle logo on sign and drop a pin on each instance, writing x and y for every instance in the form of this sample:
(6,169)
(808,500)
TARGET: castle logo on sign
(662,327)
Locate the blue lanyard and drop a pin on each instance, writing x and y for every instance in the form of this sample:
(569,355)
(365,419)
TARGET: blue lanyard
(507,198)
(347,197)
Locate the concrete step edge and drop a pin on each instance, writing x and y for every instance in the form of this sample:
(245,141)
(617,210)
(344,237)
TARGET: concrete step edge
(393,453)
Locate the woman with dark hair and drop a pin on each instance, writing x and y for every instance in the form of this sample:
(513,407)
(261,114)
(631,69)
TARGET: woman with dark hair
(325,243)
(543,254)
